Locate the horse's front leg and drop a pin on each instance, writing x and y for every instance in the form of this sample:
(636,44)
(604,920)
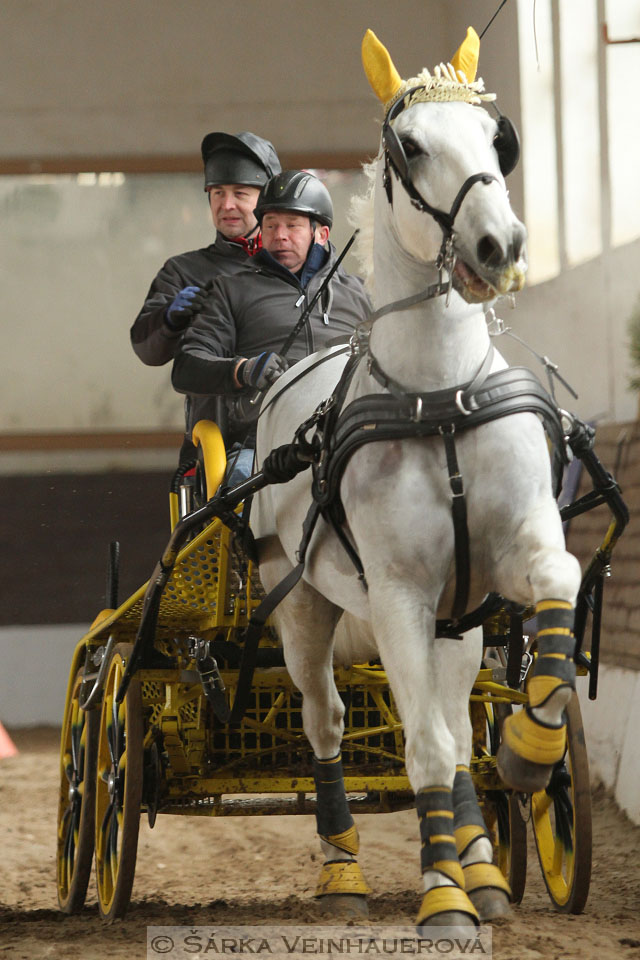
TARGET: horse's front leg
(431,680)
(484,882)
(539,569)
(306,622)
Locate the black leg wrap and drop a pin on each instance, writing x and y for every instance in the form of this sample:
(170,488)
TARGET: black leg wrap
(563,669)
(333,816)
(435,813)
(554,618)
(466,809)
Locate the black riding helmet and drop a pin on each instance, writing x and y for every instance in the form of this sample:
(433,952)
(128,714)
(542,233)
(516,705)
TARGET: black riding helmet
(298,191)
(243,158)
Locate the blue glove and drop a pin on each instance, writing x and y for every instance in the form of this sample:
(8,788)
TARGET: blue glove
(261,371)
(184,306)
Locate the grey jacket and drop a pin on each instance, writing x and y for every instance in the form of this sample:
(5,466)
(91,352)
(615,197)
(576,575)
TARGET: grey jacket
(153,341)
(248,314)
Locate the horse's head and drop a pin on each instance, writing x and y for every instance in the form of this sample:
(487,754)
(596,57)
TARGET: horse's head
(442,167)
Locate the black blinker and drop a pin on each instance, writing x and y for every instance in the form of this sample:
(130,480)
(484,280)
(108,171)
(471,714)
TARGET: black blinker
(507,144)
(394,148)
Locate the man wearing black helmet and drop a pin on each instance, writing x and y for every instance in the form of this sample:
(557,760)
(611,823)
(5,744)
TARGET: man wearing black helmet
(235,170)
(232,348)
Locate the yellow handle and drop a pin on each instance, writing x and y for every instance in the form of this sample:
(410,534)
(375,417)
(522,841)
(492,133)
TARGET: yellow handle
(207,434)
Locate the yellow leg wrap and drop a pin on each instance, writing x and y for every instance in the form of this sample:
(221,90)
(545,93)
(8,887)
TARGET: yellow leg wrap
(466,835)
(543,605)
(445,900)
(532,741)
(540,688)
(451,869)
(343,876)
(347,841)
(479,876)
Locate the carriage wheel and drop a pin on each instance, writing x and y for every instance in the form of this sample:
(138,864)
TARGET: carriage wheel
(503,813)
(561,818)
(118,788)
(76,804)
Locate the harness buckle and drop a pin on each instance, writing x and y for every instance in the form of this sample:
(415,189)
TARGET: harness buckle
(416,416)
(460,405)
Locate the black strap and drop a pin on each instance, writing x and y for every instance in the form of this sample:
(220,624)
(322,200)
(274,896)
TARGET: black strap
(306,313)
(515,650)
(258,619)
(460,528)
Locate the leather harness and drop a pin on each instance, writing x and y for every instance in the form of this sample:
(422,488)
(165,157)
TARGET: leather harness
(339,431)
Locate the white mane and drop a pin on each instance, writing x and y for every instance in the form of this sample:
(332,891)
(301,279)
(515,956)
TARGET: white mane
(360,216)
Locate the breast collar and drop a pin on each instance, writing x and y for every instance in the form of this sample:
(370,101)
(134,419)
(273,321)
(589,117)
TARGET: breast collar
(399,415)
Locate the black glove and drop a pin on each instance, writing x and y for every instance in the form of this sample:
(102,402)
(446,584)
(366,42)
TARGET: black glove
(184,306)
(261,371)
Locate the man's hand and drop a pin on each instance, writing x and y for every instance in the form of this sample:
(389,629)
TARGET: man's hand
(261,371)
(184,306)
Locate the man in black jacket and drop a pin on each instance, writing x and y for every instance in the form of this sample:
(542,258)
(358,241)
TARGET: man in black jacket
(235,170)
(232,347)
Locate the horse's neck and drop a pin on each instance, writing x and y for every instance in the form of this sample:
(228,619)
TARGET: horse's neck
(431,345)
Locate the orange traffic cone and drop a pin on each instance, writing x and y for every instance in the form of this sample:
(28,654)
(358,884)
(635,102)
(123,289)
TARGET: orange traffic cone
(7,746)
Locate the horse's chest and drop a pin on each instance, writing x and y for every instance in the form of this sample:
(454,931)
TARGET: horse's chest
(402,490)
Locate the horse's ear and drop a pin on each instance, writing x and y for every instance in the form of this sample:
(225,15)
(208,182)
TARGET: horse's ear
(378,66)
(465,58)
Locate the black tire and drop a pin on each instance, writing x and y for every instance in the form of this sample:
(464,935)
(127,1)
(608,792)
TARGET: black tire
(118,788)
(561,820)
(76,803)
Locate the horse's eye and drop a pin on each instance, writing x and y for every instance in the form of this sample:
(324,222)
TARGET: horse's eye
(412,149)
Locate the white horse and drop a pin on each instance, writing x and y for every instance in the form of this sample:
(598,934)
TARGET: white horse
(440,212)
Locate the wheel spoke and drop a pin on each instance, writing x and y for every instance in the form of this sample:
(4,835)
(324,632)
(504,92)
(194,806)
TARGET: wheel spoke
(62,826)
(68,767)
(105,819)
(558,856)
(113,849)
(73,737)
(82,749)
(111,734)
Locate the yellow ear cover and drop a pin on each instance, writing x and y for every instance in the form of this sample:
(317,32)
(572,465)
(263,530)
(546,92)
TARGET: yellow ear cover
(378,66)
(465,58)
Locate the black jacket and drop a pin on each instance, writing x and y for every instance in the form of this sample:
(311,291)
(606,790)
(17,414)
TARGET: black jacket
(248,314)
(153,341)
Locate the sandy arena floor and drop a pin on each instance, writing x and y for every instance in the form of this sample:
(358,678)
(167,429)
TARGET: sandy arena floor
(199,871)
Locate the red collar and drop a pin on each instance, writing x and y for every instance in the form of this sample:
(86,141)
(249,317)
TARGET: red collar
(250,245)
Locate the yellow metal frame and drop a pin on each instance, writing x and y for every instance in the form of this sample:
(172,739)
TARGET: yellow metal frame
(210,594)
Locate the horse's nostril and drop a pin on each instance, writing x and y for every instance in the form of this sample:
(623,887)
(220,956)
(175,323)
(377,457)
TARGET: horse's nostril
(490,251)
(519,240)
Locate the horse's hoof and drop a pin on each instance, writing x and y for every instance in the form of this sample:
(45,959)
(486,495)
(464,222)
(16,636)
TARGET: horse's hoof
(490,903)
(529,750)
(343,906)
(488,890)
(446,907)
(520,774)
(452,919)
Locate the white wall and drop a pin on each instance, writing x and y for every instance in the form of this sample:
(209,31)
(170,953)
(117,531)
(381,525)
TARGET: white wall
(152,76)
(611,724)
(35,670)
(149,78)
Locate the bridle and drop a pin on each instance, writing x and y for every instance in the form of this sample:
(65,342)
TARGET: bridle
(507,146)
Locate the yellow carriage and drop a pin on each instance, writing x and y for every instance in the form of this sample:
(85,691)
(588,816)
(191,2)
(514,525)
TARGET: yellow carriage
(168,711)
